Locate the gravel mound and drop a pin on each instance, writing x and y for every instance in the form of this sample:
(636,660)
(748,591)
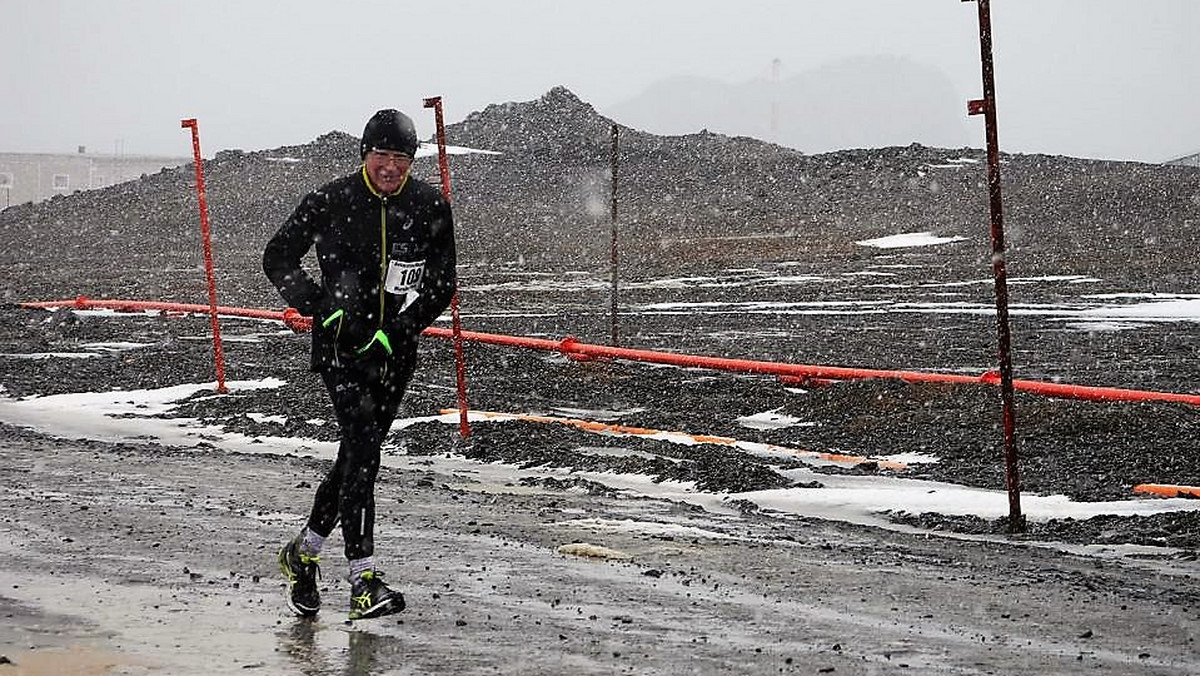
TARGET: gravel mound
(699,204)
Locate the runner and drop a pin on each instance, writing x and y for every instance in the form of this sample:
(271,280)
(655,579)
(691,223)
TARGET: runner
(385,249)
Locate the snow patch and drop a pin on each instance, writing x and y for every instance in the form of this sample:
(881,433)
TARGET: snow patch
(771,420)
(908,240)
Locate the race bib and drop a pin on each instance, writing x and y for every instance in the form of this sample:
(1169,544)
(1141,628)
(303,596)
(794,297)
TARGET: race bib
(404,279)
(403,276)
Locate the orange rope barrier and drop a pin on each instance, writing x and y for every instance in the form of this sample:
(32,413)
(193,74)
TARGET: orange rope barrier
(624,430)
(571,347)
(1168,490)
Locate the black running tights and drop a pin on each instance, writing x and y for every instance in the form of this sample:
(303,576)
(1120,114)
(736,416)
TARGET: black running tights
(365,400)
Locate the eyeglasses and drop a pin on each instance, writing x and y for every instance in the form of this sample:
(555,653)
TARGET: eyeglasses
(391,157)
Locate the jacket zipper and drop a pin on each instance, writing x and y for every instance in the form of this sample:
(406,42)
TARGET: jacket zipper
(382,254)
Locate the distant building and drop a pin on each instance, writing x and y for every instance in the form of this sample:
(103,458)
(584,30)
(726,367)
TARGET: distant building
(33,177)
(1186,161)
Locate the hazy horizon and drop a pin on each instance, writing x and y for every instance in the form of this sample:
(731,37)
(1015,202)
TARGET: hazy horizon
(1091,78)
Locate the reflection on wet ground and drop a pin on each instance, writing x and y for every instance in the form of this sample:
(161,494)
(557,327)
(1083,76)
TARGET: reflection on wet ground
(326,647)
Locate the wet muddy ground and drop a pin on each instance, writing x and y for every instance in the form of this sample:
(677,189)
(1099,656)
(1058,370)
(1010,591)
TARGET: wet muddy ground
(136,557)
(159,560)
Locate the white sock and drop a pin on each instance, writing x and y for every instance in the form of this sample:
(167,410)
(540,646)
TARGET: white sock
(311,543)
(360,566)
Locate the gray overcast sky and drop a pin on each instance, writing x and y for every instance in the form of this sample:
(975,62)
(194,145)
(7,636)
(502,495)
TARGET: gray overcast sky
(1096,78)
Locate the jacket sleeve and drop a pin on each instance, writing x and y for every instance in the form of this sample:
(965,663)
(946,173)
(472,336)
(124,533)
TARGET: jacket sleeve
(282,256)
(440,279)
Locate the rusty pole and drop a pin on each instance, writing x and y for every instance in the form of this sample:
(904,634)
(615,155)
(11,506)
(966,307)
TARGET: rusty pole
(218,352)
(464,428)
(987,107)
(613,258)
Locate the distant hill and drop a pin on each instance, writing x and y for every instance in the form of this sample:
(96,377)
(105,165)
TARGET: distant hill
(1192,160)
(696,202)
(862,102)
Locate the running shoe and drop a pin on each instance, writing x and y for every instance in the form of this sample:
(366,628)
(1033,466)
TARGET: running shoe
(371,597)
(301,572)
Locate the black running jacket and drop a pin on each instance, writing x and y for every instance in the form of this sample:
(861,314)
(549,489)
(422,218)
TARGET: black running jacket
(387,267)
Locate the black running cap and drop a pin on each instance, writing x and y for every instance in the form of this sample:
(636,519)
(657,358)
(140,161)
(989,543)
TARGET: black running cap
(389,129)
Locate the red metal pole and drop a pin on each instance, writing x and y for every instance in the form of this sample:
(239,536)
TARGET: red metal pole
(435,102)
(219,354)
(1016,521)
(464,428)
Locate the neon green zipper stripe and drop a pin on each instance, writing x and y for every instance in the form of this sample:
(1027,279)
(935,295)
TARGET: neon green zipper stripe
(382,232)
(382,254)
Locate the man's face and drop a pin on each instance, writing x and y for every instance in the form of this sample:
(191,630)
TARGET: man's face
(387,169)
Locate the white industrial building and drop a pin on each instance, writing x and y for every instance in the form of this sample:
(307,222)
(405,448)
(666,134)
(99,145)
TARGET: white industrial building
(33,177)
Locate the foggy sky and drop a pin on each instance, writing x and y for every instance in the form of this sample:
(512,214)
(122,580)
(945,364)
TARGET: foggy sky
(1112,79)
